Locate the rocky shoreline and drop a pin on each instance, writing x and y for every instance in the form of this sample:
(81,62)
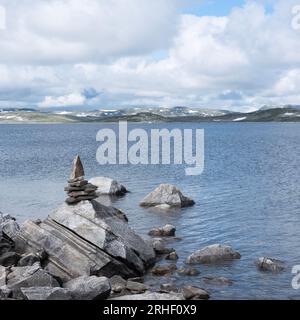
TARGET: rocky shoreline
(85,250)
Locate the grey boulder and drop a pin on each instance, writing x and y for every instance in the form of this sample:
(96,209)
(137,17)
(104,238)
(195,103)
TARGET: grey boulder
(136,287)
(89,288)
(107,186)
(45,293)
(194,293)
(213,254)
(166,194)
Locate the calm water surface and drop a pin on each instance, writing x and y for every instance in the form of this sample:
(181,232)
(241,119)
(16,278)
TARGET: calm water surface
(247,197)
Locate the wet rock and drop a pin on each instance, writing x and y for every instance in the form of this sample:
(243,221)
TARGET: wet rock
(194,293)
(152,296)
(190,272)
(136,287)
(118,284)
(45,293)
(269,264)
(164,270)
(219,281)
(168,287)
(89,288)
(32,276)
(9,259)
(172,256)
(107,186)
(160,247)
(213,254)
(166,231)
(166,194)
(87,239)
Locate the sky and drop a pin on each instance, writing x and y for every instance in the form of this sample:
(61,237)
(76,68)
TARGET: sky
(92,54)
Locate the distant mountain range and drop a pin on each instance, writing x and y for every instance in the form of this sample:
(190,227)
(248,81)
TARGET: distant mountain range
(176,114)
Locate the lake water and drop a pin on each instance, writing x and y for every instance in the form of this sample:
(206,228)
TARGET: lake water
(248,195)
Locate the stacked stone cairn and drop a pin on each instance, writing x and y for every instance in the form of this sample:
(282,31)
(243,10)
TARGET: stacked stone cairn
(78,188)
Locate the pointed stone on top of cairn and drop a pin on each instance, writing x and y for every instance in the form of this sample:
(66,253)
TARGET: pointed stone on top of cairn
(78,188)
(77,169)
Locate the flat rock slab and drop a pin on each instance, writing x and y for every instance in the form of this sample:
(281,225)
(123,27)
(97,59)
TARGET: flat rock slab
(152,296)
(46,293)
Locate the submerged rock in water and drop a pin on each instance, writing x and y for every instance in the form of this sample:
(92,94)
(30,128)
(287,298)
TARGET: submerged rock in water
(159,247)
(166,194)
(89,288)
(108,186)
(190,272)
(136,287)
(172,256)
(168,287)
(269,264)
(219,281)
(167,231)
(87,239)
(212,254)
(164,270)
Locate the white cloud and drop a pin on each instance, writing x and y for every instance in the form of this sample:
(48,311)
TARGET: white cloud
(70,100)
(72,31)
(57,49)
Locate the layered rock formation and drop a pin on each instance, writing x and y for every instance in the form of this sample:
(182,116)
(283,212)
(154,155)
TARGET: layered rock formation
(87,239)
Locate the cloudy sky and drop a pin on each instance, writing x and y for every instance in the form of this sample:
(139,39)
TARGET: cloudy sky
(232,54)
